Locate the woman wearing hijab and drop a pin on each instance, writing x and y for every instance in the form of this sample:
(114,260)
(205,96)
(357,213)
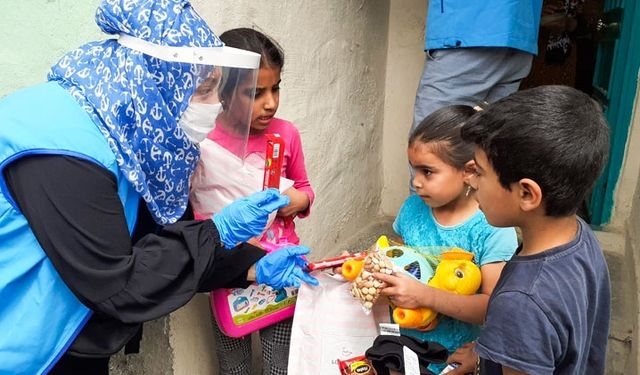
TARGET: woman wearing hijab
(95,175)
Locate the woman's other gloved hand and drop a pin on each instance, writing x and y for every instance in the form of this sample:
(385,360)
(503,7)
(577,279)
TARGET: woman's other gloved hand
(284,267)
(247,217)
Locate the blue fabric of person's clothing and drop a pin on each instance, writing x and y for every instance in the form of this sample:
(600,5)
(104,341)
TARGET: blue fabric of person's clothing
(40,315)
(488,23)
(549,313)
(136,100)
(418,228)
(468,76)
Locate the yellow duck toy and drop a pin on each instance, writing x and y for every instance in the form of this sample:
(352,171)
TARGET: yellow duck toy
(456,273)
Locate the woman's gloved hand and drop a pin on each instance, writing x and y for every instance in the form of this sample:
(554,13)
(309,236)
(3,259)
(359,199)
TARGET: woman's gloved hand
(284,267)
(247,217)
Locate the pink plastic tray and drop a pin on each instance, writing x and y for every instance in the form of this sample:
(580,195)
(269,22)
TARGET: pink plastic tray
(242,311)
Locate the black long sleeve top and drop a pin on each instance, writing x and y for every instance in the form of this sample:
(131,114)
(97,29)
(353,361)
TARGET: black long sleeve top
(74,211)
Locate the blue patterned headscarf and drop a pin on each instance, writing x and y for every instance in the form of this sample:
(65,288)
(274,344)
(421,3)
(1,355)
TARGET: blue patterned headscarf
(136,100)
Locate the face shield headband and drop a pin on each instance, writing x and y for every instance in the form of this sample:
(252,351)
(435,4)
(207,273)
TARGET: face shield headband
(220,75)
(212,56)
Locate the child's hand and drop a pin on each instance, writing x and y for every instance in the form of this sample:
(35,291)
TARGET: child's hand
(299,202)
(405,291)
(466,357)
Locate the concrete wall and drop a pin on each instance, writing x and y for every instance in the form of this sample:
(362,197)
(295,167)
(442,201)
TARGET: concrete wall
(405,58)
(35,33)
(633,261)
(626,188)
(625,218)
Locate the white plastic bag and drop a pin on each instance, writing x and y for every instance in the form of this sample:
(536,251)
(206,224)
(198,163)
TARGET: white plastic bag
(221,178)
(329,324)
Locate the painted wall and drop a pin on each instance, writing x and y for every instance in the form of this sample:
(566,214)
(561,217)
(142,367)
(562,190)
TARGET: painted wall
(35,33)
(626,188)
(405,58)
(633,261)
(625,218)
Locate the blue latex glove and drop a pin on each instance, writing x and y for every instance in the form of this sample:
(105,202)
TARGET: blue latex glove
(246,218)
(284,267)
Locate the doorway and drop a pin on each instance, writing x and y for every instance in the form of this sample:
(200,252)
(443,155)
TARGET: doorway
(590,45)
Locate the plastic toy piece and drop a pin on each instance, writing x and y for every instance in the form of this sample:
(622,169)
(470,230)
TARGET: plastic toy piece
(457,274)
(352,268)
(413,263)
(334,262)
(382,242)
(456,253)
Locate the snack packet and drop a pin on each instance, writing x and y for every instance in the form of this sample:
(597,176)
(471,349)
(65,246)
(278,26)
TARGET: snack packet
(365,287)
(359,365)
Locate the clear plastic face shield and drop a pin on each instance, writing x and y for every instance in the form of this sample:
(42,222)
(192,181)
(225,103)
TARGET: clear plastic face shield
(224,79)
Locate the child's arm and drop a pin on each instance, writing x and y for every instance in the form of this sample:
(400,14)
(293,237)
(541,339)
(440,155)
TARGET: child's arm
(405,291)
(301,194)
(299,202)
(467,358)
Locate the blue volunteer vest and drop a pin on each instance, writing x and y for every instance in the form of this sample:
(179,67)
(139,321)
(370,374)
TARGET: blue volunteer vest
(486,23)
(39,316)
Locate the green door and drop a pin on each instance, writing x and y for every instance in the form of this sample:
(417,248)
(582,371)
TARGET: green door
(615,83)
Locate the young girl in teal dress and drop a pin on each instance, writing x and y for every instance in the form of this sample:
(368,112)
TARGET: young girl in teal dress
(444,214)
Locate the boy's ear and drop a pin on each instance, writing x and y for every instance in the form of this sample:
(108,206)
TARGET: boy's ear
(529,194)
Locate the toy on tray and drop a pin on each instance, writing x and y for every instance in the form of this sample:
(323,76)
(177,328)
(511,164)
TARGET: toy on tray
(456,273)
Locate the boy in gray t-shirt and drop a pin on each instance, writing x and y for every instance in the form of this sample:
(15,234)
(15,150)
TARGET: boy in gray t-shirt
(538,153)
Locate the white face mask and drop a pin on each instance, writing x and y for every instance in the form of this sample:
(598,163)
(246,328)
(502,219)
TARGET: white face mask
(199,119)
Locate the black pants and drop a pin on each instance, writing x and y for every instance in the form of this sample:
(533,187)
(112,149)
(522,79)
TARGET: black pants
(71,365)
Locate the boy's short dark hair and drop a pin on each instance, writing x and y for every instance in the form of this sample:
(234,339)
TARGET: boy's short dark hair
(554,135)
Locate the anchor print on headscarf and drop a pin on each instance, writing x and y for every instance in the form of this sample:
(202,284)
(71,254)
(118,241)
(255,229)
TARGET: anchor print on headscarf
(136,100)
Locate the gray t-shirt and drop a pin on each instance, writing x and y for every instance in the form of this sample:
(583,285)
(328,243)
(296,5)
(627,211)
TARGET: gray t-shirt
(549,312)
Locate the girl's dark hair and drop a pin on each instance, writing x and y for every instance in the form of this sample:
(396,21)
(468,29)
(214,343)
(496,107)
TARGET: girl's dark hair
(271,55)
(441,129)
(252,40)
